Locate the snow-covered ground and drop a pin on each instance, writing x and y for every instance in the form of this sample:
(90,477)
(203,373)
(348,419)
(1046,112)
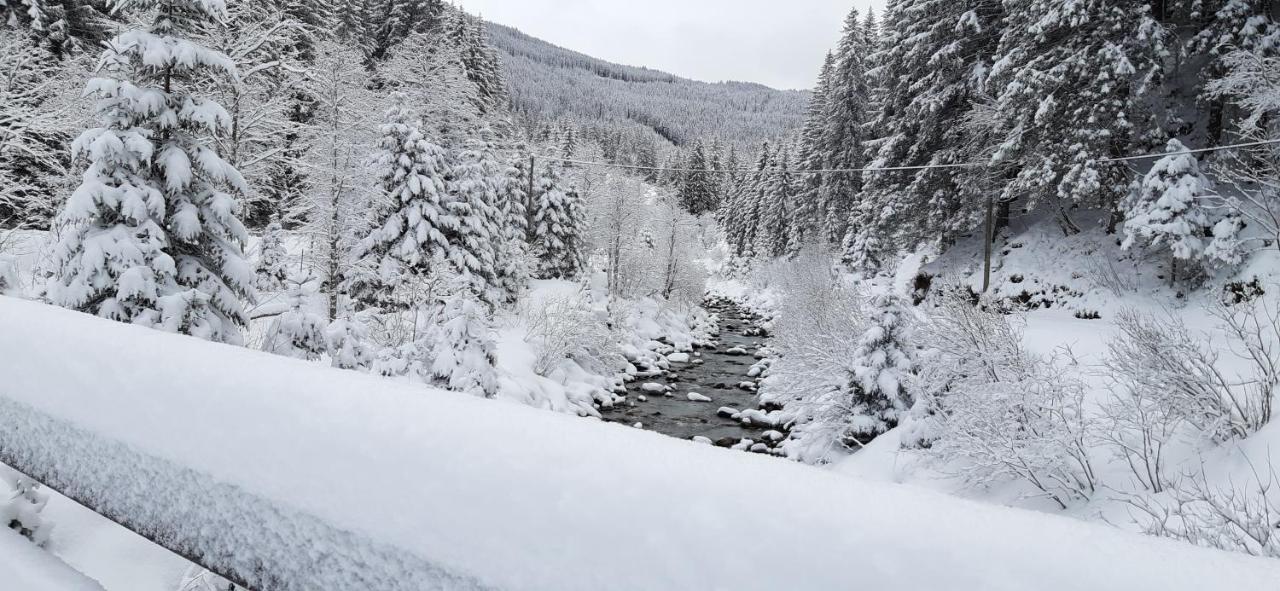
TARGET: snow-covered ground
(370,475)
(24,567)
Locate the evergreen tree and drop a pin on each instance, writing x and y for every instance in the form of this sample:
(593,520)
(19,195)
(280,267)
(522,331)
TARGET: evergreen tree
(1175,206)
(273,260)
(150,237)
(776,206)
(556,236)
(808,216)
(698,191)
(877,395)
(476,183)
(842,135)
(930,64)
(299,332)
(417,225)
(349,344)
(63,27)
(1069,78)
(460,345)
(741,219)
(33,133)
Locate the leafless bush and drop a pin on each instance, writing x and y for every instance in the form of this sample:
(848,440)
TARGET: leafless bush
(1238,518)
(1158,360)
(1103,272)
(1139,428)
(995,411)
(563,328)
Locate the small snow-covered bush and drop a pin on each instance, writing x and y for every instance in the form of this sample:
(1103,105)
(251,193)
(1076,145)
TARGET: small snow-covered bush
(567,328)
(300,331)
(349,344)
(1158,359)
(1237,518)
(990,411)
(21,503)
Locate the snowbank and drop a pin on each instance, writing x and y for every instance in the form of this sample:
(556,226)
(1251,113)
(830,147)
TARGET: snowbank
(28,568)
(337,480)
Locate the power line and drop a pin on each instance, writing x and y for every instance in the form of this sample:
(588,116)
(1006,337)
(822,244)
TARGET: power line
(959,165)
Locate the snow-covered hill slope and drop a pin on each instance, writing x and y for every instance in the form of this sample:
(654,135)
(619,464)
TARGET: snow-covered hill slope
(333,478)
(547,81)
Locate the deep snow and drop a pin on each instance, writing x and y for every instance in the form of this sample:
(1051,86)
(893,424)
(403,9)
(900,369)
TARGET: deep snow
(25,567)
(396,486)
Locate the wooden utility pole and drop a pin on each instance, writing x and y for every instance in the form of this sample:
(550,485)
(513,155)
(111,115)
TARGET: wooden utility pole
(988,237)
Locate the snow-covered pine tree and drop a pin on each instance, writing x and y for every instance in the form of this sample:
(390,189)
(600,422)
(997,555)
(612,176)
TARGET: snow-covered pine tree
(416,226)
(150,237)
(929,70)
(1177,207)
(273,265)
(475,183)
(698,190)
(1068,77)
(300,331)
(741,219)
(878,397)
(808,215)
(777,202)
(459,343)
(63,27)
(349,343)
(843,129)
(556,233)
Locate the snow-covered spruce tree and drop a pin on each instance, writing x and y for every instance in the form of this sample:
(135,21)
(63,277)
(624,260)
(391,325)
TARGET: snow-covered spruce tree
(930,66)
(698,191)
(874,397)
(62,26)
(843,129)
(556,234)
(881,365)
(349,344)
(459,343)
(807,216)
(476,183)
(273,260)
(1068,77)
(300,331)
(150,237)
(741,218)
(778,200)
(1177,207)
(416,227)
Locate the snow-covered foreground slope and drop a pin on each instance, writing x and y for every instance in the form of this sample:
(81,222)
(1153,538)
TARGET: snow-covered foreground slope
(336,480)
(25,567)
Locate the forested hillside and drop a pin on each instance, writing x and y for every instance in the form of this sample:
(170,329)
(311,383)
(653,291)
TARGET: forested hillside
(549,83)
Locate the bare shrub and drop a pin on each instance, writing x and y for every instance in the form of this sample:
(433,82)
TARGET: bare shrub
(990,411)
(1239,518)
(1158,360)
(566,328)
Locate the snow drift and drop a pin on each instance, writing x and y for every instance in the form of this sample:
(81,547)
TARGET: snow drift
(293,476)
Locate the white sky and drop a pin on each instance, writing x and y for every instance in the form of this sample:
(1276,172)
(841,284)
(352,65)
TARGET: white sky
(780,43)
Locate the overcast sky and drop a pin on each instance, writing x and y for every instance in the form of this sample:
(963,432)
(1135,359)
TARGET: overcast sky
(775,42)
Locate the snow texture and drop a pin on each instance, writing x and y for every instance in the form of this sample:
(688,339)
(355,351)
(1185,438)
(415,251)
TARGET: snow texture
(25,567)
(338,480)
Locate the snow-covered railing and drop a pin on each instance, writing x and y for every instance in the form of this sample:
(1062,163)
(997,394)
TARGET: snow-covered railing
(289,476)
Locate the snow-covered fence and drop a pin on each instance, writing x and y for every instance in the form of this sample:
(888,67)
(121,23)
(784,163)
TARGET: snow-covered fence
(287,476)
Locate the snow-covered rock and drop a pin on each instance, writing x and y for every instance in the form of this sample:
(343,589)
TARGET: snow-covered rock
(736,351)
(678,358)
(702,440)
(653,388)
(696,397)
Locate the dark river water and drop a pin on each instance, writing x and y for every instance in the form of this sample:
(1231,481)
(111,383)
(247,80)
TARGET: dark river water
(719,375)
